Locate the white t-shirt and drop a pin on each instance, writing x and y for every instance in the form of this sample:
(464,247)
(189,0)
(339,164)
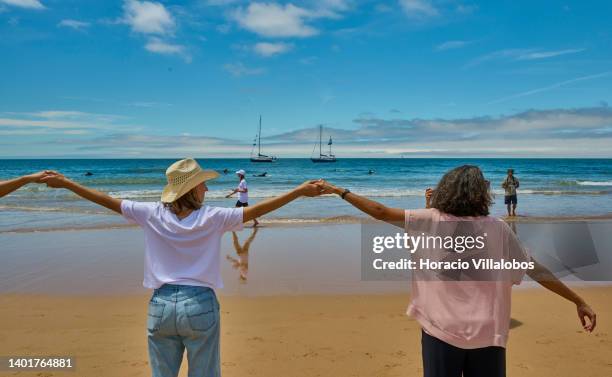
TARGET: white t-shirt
(243,197)
(183,252)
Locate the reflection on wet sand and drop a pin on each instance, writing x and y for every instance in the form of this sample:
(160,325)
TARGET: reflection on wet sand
(242,262)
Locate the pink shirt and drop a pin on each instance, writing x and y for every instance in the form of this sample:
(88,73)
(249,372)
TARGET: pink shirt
(466,314)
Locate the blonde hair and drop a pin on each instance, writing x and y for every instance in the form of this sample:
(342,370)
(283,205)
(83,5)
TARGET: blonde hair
(189,201)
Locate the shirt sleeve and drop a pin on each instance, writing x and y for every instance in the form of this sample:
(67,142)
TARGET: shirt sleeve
(137,212)
(419,220)
(518,252)
(242,185)
(229,219)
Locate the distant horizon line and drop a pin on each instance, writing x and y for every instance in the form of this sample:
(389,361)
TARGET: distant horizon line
(304,158)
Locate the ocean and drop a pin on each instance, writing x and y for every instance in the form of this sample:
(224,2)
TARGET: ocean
(549,187)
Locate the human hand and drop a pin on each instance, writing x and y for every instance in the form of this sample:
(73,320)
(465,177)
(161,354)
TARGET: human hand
(428,194)
(328,188)
(54,179)
(36,177)
(585,311)
(310,188)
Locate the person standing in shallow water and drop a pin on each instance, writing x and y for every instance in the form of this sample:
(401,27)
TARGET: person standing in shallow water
(510,184)
(243,193)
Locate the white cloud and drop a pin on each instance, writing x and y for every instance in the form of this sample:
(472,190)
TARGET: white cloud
(418,8)
(57,122)
(159,46)
(74,24)
(148,17)
(30,4)
(239,69)
(451,45)
(331,8)
(518,54)
(551,87)
(273,20)
(532,127)
(548,54)
(271,49)
(154,20)
(221,3)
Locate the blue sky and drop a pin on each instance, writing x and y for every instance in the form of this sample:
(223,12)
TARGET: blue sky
(409,77)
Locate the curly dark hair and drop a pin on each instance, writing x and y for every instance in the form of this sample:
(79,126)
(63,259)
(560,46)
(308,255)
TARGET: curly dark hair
(463,191)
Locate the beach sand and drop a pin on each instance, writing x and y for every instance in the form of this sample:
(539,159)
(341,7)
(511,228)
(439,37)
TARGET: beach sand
(304,311)
(318,335)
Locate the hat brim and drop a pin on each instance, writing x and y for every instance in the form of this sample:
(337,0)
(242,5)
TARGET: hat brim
(172,193)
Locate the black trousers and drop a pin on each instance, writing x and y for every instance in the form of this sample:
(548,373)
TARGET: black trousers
(441,359)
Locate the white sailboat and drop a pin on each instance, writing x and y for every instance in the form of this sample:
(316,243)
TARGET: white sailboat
(257,142)
(330,157)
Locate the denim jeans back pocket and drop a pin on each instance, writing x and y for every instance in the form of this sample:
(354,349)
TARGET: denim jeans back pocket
(155,314)
(202,314)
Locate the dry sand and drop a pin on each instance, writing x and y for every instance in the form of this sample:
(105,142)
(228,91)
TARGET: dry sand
(333,335)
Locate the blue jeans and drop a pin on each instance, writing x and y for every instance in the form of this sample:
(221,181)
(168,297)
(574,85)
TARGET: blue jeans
(179,317)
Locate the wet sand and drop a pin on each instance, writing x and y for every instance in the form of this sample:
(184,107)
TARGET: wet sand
(344,335)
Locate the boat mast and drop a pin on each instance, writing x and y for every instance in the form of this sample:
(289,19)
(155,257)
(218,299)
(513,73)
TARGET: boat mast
(259,138)
(320,133)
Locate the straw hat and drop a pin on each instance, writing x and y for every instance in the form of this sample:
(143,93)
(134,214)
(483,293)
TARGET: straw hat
(182,176)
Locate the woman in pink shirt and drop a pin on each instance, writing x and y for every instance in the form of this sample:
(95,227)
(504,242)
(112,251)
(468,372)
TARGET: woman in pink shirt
(465,321)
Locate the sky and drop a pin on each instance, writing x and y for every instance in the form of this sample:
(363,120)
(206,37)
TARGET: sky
(412,78)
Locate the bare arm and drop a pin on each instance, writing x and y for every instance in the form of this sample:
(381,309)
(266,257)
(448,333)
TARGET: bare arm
(100,198)
(370,207)
(6,187)
(269,205)
(549,281)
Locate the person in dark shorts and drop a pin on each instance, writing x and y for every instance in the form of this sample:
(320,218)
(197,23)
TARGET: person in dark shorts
(510,184)
(465,323)
(243,193)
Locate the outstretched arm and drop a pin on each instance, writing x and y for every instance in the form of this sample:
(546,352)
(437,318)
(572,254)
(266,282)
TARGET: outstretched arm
(6,187)
(371,207)
(59,181)
(549,281)
(305,189)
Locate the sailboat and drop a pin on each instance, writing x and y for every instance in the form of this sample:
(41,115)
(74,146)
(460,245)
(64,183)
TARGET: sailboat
(257,142)
(323,157)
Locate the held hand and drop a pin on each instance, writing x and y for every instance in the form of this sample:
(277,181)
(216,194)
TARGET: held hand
(310,188)
(55,180)
(36,177)
(585,311)
(328,188)
(428,194)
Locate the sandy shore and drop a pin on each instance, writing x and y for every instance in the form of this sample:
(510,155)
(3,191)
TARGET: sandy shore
(304,310)
(344,335)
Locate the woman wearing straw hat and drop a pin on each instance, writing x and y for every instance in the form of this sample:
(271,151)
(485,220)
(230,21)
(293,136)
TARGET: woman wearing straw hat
(182,261)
